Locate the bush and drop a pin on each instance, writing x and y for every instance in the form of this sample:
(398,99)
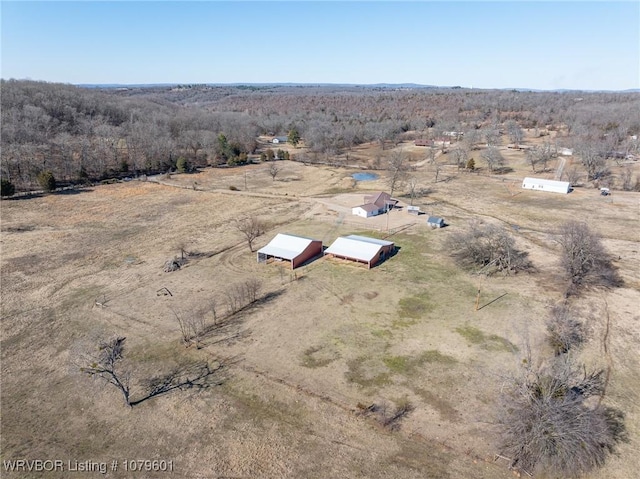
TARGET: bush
(182,165)
(7,188)
(47,181)
(471,164)
(565,331)
(548,424)
(584,258)
(487,248)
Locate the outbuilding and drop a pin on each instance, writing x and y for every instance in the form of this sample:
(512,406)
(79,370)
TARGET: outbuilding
(540,184)
(279,139)
(287,247)
(361,249)
(435,222)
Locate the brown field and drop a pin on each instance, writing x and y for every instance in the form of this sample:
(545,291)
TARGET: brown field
(297,364)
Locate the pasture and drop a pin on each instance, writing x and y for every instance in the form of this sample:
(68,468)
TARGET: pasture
(294,372)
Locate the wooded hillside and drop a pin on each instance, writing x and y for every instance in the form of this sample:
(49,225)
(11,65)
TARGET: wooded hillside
(81,134)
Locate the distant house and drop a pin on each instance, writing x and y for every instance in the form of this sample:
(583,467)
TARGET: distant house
(286,247)
(361,249)
(279,139)
(435,222)
(540,184)
(420,142)
(374,205)
(565,151)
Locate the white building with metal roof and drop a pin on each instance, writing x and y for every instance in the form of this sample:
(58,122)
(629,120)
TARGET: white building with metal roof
(540,184)
(361,249)
(295,249)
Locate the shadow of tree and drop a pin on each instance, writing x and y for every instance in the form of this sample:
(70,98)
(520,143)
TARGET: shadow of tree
(192,376)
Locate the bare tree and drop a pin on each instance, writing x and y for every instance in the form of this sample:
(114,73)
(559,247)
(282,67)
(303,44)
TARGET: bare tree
(540,155)
(185,331)
(584,259)
(412,186)
(565,331)
(492,137)
(594,160)
(572,176)
(547,423)
(192,324)
(627,183)
(274,169)
(493,157)
(515,133)
(397,170)
(460,155)
(251,227)
(252,288)
(488,247)
(107,366)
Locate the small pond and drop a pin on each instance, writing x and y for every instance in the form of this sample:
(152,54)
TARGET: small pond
(365,176)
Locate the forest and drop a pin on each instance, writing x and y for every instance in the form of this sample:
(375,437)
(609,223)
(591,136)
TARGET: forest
(59,134)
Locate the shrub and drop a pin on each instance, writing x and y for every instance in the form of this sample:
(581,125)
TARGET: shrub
(584,258)
(182,165)
(565,331)
(548,423)
(471,164)
(7,188)
(47,181)
(487,248)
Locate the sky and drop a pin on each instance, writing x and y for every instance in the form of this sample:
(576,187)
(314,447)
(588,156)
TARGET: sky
(501,44)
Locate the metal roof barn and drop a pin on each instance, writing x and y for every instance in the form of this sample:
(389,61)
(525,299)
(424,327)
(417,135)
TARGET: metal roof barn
(292,248)
(361,249)
(540,184)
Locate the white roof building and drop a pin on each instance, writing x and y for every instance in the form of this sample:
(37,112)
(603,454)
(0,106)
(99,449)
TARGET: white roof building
(540,184)
(296,249)
(361,249)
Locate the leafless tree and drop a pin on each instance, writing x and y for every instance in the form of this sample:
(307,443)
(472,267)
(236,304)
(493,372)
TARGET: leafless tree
(515,133)
(627,182)
(564,329)
(397,170)
(492,137)
(106,365)
(412,187)
(488,247)
(584,258)
(540,155)
(185,330)
(460,155)
(274,169)
(547,423)
(593,159)
(252,288)
(572,175)
(192,324)
(493,157)
(251,227)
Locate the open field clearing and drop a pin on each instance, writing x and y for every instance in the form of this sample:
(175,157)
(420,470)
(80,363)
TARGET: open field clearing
(290,377)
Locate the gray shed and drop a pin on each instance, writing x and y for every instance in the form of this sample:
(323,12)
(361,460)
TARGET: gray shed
(435,221)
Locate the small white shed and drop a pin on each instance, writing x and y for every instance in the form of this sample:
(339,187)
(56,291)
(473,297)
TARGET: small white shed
(540,184)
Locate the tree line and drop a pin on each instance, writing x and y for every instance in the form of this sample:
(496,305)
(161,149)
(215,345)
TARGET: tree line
(80,134)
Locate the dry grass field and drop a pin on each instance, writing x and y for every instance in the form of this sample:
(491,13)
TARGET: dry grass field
(296,367)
